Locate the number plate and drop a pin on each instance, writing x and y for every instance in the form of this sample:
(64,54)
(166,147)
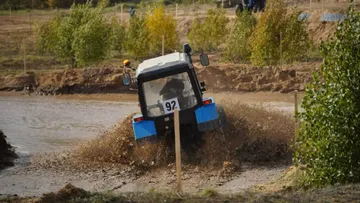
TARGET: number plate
(170,105)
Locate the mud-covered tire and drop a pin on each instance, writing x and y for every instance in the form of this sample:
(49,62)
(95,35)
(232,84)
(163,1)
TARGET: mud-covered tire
(221,116)
(222,121)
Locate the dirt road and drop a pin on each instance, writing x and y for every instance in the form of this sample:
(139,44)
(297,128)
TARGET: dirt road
(25,179)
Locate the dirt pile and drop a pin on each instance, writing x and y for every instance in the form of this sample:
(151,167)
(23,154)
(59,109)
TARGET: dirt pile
(65,194)
(247,78)
(68,81)
(218,77)
(7,153)
(17,83)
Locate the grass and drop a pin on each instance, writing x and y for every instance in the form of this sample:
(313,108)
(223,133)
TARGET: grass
(339,193)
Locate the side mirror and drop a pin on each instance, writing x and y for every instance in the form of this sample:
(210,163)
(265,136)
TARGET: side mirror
(126,79)
(204,59)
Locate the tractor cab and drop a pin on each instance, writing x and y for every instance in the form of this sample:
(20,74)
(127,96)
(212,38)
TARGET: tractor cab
(166,83)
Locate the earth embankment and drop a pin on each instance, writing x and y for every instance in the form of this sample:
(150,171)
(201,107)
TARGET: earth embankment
(218,77)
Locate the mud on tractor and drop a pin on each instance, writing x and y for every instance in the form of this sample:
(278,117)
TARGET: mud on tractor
(168,82)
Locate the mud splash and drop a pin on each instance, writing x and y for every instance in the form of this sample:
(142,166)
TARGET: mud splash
(7,153)
(253,135)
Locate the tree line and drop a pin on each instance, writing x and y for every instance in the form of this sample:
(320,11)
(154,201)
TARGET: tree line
(43,4)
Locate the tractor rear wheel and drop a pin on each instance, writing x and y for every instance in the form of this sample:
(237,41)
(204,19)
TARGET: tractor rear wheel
(222,119)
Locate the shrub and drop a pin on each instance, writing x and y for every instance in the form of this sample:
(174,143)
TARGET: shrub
(137,43)
(265,41)
(295,39)
(118,36)
(237,43)
(81,38)
(160,24)
(207,34)
(329,139)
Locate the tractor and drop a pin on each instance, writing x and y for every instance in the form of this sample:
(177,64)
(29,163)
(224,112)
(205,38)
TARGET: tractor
(241,5)
(168,82)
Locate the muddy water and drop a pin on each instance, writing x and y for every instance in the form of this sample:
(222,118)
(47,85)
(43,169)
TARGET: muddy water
(44,124)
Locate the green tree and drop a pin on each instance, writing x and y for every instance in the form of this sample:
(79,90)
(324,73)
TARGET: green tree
(265,41)
(207,34)
(160,24)
(137,42)
(295,38)
(237,43)
(329,139)
(118,36)
(81,38)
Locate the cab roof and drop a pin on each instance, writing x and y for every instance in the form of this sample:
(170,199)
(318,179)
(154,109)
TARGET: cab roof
(158,63)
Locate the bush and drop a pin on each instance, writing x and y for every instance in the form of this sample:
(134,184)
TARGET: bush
(118,36)
(137,43)
(207,34)
(265,41)
(237,44)
(81,38)
(329,140)
(159,24)
(295,39)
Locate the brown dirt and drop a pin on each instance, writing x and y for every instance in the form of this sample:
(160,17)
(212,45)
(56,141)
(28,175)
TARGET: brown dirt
(247,78)
(69,81)
(218,77)
(7,153)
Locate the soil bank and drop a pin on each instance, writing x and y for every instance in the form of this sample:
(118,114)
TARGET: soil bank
(218,77)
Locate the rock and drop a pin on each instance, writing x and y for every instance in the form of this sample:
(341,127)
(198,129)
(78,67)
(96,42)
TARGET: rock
(245,78)
(282,75)
(292,73)
(265,87)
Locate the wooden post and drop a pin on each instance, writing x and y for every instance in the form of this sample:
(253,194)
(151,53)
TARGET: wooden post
(310,4)
(177,149)
(322,6)
(24,44)
(176,10)
(10,13)
(222,3)
(163,45)
(115,9)
(122,10)
(296,112)
(280,49)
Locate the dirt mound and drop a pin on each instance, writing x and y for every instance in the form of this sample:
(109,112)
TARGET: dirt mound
(64,194)
(247,78)
(68,81)
(7,153)
(320,30)
(17,82)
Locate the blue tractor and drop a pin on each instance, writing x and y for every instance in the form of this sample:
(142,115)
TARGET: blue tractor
(168,82)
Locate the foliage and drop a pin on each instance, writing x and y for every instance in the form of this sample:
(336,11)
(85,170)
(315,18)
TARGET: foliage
(160,24)
(295,40)
(52,3)
(209,33)
(118,35)
(329,140)
(81,38)
(137,43)
(265,41)
(237,43)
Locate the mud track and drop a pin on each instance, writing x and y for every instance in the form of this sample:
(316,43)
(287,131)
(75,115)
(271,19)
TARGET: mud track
(48,173)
